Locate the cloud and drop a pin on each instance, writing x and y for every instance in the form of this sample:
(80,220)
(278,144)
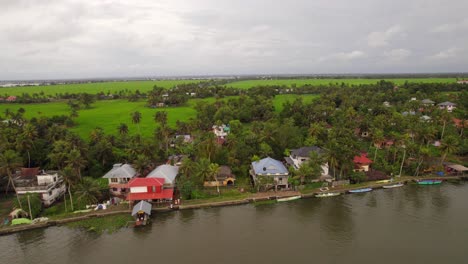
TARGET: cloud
(382,38)
(397,54)
(343,56)
(452,27)
(445,54)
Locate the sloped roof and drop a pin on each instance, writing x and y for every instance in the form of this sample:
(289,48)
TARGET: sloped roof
(141,182)
(224,172)
(427,101)
(165,194)
(121,171)
(168,172)
(305,151)
(363,159)
(142,206)
(268,166)
(458,167)
(446,103)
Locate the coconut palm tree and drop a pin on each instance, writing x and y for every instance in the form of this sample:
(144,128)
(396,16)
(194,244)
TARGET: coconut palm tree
(87,191)
(448,145)
(76,161)
(70,179)
(136,118)
(123,129)
(9,161)
(213,169)
(140,163)
(202,170)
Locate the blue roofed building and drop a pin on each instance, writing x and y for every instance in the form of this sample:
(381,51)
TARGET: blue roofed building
(270,168)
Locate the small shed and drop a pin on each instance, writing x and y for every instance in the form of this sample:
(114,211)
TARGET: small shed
(456,169)
(141,212)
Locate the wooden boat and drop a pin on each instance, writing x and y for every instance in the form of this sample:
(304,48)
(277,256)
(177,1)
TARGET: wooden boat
(429,182)
(396,185)
(287,199)
(362,190)
(141,212)
(329,194)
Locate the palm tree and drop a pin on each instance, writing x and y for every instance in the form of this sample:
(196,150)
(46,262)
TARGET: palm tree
(213,169)
(202,171)
(140,163)
(136,118)
(9,161)
(448,145)
(123,129)
(75,160)
(161,117)
(87,191)
(70,179)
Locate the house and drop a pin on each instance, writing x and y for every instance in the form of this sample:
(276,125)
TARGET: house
(386,104)
(224,177)
(460,123)
(11,98)
(385,143)
(167,172)
(119,176)
(270,168)
(456,169)
(449,106)
(427,102)
(425,119)
(462,82)
(221,131)
(176,160)
(301,155)
(149,189)
(362,162)
(49,185)
(185,139)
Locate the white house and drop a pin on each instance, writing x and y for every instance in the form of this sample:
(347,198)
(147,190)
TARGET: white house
(49,185)
(301,155)
(119,176)
(449,106)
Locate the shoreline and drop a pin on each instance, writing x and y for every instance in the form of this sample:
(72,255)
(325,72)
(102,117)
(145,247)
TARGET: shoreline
(252,199)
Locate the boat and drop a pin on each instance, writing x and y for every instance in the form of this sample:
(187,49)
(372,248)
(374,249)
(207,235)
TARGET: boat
(287,199)
(362,190)
(429,182)
(396,185)
(141,212)
(384,181)
(329,194)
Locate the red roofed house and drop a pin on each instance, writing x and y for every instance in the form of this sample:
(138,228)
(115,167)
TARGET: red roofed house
(11,98)
(362,162)
(149,189)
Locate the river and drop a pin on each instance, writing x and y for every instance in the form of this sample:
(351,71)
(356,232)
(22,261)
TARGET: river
(412,224)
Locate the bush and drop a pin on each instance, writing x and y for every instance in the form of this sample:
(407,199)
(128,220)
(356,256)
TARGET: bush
(35,202)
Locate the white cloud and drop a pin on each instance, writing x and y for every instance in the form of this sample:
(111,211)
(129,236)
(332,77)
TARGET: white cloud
(343,56)
(382,38)
(452,27)
(445,54)
(397,54)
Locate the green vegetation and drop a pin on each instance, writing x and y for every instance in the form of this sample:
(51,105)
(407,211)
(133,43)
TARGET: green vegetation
(99,225)
(246,84)
(92,88)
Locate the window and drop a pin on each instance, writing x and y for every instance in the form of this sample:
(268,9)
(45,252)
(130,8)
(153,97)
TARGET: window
(114,189)
(114,180)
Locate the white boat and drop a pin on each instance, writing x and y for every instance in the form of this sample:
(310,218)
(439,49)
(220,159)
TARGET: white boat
(287,199)
(329,194)
(396,185)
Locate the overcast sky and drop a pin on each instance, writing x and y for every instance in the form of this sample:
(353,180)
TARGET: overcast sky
(92,38)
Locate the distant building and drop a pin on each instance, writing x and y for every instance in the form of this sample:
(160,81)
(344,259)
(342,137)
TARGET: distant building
(362,162)
(462,82)
(449,106)
(427,102)
(11,98)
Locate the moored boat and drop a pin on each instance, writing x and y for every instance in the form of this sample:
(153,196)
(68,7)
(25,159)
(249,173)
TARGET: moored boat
(287,199)
(141,212)
(396,185)
(362,190)
(329,194)
(429,182)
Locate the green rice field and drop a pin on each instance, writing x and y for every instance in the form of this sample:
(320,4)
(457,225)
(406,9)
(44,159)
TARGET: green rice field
(354,81)
(109,114)
(92,88)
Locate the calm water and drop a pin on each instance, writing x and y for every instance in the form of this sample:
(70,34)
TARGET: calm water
(413,224)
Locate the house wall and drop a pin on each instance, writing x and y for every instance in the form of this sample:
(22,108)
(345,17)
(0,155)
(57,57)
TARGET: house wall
(140,189)
(46,179)
(48,198)
(299,160)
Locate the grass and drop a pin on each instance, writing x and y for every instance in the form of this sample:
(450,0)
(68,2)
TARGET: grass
(99,225)
(354,81)
(226,195)
(93,88)
(108,114)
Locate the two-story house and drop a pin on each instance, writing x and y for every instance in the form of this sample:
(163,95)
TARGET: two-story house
(449,106)
(49,185)
(167,172)
(119,176)
(301,155)
(270,168)
(149,189)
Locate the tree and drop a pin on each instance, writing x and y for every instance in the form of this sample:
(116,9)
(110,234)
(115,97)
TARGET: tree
(213,171)
(9,161)
(33,200)
(448,145)
(140,163)
(76,161)
(70,179)
(202,171)
(87,191)
(123,129)
(136,118)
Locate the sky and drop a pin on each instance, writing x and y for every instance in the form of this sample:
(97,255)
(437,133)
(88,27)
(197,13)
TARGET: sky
(59,39)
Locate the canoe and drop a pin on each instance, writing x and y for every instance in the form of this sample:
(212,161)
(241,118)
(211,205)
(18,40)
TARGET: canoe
(330,194)
(429,182)
(360,190)
(287,199)
(396,185)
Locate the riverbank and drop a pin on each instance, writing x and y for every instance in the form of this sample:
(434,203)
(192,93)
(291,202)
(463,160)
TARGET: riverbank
(252,198)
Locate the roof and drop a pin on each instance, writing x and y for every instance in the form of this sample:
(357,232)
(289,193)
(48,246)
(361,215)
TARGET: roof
(363,159)
(165,194)
(139,182)
(268,166)
(446,104)
(458,167)
(142,206)
(29,172)
(121,171)
(168,172)
(427,101)
(305,151)
(224,172)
